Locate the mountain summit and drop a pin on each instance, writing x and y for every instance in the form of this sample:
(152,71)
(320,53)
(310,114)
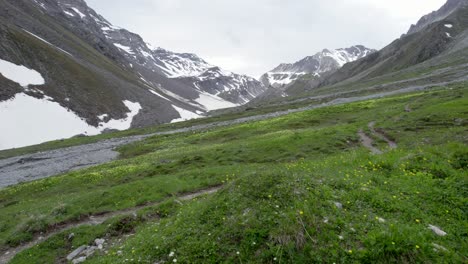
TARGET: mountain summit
(318,65)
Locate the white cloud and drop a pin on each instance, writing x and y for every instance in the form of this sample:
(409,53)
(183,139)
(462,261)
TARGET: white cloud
(254,36)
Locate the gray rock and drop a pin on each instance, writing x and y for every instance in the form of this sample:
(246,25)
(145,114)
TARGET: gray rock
(76,252)
(99,241)
(89,251)
(339,205)
(437,230)
(79,260)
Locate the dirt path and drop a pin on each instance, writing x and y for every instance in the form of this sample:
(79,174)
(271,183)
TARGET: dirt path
(368,142)
(381,135)
(6,256)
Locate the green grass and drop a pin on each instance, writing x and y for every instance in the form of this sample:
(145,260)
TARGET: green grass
(281,179)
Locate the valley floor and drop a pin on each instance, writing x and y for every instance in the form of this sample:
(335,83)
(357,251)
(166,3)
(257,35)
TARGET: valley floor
(376,181)
(43,164)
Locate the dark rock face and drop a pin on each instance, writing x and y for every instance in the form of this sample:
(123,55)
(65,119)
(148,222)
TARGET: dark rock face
(317,65)
(438,15)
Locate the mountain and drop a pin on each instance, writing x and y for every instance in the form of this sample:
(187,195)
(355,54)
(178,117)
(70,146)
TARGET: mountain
(318,65)
(437,45)
(447,9)
(103,76)
(214,88)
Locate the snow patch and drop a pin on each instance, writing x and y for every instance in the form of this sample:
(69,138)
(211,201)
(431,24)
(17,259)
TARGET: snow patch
(69,13)
(122,124)
(110,27)
(448,34)
(45,41)
(124,48)
(184,115)
(102,117)
(20,74)
(155,93)
(283,78)
(49,121)
(448,25)
(150,46)
(177,97)
(176,66)
(40,4)
(78,12)
(213,102)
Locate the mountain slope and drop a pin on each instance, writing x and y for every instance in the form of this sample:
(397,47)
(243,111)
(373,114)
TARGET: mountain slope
(435,39)
(447,9)
(92,68)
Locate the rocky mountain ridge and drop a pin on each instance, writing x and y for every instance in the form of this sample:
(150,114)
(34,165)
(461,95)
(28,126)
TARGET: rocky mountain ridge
(320,64)
(448,8)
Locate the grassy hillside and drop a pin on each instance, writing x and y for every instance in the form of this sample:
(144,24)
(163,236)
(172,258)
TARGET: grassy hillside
(295,189)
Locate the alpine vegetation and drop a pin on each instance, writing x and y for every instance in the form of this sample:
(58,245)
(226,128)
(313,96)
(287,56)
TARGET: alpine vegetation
(113,150)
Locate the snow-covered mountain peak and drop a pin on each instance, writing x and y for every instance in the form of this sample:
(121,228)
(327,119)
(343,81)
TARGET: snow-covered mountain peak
(175,65)
(317,65)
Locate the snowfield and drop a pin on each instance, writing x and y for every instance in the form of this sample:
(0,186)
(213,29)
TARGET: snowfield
(124,48)
(213,102)
(20,74)
(26,120)
(184,115)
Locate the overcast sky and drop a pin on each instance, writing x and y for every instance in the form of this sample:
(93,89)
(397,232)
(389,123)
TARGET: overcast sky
(254,36)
